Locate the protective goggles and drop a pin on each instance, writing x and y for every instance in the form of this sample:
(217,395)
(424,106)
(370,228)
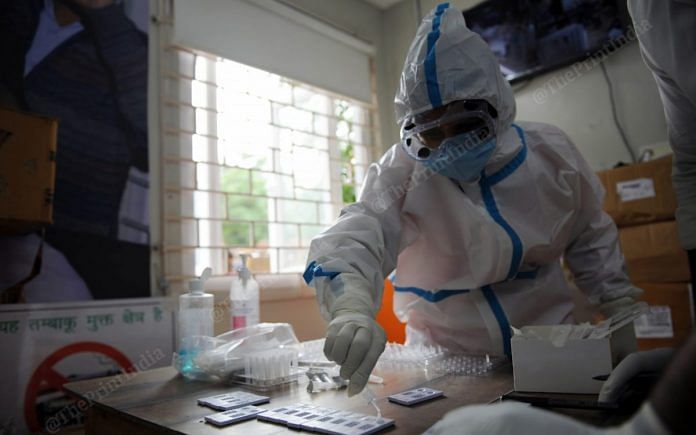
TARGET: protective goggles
(421,137)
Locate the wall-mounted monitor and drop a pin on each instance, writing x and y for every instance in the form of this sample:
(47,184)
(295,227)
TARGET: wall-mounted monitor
(530,37)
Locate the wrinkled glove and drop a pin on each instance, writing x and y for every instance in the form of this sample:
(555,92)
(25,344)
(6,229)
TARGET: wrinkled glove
(649,361)
(616,301)
(610,308)
(354,341)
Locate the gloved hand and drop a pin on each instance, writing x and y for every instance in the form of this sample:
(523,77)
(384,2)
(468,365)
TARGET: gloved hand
(648,361)
(610,307)
(354,341)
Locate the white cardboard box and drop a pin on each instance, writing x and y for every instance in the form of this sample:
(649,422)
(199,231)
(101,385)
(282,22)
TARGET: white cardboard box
(543,363)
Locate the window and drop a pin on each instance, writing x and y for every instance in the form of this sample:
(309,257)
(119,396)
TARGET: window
(253,163)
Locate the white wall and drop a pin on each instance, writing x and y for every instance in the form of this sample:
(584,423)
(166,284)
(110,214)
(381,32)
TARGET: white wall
(399,29)
(582,108)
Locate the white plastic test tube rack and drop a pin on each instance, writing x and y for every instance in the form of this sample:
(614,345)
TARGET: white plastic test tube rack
(468,365)
(269,368)
(417,356)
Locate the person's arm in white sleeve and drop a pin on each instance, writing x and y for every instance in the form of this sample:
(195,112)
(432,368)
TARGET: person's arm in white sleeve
(347,265)
(594,255)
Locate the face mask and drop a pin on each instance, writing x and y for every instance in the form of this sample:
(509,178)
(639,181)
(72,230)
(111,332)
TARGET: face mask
(452,159)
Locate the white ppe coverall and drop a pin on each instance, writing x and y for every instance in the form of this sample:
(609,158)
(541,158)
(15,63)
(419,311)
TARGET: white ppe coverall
(470,259)
(513,418)
(666,31)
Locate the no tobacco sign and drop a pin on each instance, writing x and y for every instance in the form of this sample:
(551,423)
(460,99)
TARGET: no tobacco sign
(46,345)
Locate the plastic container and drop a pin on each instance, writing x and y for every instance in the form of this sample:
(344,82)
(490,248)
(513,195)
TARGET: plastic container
(195,325)
(231,353)
(396,356)
(269,369)
(244,298)
(469,365)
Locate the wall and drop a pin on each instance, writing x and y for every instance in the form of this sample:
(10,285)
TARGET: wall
(581,108)
(399,29)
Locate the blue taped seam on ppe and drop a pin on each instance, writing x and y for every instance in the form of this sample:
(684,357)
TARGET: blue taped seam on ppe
(314,271)
(529,274)
(492,208)
(318,271)
(513,164)
(500,316)
(430,296)
(308,274)
(444,294)
(430,63)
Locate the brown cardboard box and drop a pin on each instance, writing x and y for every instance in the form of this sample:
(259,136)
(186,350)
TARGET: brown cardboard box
(653,253)
(27,170)
(670,321)
(640,193)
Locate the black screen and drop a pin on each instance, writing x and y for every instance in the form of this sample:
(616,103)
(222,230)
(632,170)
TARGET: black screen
(533,36)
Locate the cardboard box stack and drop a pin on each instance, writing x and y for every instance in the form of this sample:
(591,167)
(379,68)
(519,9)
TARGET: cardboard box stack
(641,201)
(27,170)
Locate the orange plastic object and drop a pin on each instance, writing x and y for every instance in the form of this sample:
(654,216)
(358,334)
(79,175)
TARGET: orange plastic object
(396,331)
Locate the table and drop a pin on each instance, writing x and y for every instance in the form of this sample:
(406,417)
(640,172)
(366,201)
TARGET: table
(162,402)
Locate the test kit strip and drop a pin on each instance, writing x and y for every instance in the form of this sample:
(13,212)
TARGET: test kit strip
(233,416)
(324,424)
(228,401)
(299,420)
(280,415)
(418,395)
(355,424)
(296,414)
(325,420)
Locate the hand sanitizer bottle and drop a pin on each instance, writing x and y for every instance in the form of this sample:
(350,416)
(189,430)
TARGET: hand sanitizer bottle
(195,322)
(244,297)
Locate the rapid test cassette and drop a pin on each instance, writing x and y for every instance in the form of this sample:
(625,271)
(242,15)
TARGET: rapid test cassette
(353,424)
(418,395)
(233,416)
(228,401)
(281,414)
(325,420)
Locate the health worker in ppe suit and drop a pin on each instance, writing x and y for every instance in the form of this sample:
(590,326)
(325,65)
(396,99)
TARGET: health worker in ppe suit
(474,213)
(667,36)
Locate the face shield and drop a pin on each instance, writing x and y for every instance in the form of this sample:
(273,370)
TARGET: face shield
(471,122)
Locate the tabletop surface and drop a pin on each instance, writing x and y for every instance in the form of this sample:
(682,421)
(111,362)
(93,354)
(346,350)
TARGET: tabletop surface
(165,402)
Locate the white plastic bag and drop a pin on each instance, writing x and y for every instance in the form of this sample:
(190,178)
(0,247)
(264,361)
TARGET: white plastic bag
(226,351)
